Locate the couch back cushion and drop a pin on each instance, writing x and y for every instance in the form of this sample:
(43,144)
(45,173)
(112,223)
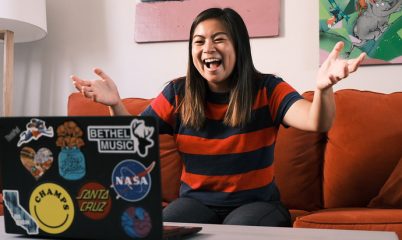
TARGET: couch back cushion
(298,166)
(364,146)
(170,159)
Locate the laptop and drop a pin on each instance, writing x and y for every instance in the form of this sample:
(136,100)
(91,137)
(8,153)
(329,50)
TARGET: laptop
(83,178)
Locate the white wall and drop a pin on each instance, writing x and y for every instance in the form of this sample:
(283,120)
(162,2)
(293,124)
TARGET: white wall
(83,34)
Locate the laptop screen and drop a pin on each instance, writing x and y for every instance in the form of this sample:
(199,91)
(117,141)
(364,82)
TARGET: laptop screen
(81,177)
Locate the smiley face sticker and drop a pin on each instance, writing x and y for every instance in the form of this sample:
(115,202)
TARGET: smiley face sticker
(52,208)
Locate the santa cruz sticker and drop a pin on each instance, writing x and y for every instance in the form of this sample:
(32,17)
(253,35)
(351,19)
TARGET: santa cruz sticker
(136,222)
(131,180)
(52,208)
(94,201)
(35,129)
(21,217)
(136,138)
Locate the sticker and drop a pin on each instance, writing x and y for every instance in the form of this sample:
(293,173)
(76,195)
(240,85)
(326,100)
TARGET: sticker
(21,217)
(71,160)
(35,129)
(131,180)
(9,137)
(136,222)
(71,164)
(52,208)
(37,163)
(136,138)
(94,201)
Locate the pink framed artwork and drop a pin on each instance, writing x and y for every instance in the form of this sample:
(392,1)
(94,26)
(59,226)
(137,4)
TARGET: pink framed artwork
(166,21)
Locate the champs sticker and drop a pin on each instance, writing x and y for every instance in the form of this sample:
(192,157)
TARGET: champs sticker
(131,180)
(52,208)
(136,138)
(94,201)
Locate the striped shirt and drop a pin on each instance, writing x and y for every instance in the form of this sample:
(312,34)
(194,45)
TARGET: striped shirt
(227,166)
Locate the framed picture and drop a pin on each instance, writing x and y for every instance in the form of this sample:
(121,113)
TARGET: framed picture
(170,20)
(370,26)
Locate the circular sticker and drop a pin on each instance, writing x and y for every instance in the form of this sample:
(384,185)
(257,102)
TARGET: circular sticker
(52,208)
(94,201)
(136,222)
(131,180)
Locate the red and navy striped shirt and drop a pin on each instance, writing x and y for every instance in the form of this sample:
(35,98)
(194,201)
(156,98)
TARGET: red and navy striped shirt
(227,166)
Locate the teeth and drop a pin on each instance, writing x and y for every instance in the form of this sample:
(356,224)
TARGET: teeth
(209,60)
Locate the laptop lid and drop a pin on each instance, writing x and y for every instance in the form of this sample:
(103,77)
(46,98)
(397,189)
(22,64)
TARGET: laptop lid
(81,177)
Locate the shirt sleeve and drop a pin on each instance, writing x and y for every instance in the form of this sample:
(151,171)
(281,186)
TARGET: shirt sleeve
(162,108)
(281,97)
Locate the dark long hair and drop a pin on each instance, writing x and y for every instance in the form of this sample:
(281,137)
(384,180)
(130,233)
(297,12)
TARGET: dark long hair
(243,86)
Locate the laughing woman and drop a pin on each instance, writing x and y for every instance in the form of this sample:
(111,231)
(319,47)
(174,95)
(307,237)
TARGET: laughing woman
(224,116)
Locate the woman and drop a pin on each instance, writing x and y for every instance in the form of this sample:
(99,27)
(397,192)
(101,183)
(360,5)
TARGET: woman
(225,116)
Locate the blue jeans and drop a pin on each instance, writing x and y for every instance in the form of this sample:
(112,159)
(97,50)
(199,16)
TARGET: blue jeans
(189,210)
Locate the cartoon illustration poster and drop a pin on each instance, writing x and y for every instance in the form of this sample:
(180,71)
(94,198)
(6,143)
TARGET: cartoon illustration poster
(371,26)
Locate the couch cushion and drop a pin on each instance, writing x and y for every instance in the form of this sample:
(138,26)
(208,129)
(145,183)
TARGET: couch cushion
(170,159)
(364,145)
(354,219)
(295,213)
(298,167)
(78,105)
(390,195)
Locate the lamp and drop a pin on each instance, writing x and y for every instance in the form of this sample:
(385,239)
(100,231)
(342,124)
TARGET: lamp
(20,21)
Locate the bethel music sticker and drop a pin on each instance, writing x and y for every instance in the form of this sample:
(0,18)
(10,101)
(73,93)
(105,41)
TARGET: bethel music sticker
(52,208)
(136,222)
(94,201)
(136,138)
(131,180)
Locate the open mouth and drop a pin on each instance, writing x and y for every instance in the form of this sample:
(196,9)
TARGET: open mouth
(212,63)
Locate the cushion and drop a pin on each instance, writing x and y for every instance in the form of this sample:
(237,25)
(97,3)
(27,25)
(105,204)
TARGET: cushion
(390,195)
(354,219)
(170,159)
(364,146)
(78,105)
(294,214)
(298,166)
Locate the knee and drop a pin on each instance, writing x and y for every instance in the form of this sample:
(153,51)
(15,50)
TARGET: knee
(260,214)
(189,211)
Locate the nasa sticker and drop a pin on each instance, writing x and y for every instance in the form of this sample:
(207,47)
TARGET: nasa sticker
(136,138)
(136,222)
(131,180)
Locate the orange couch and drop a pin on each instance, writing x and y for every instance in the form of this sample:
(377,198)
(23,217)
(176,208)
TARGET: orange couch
(347,178)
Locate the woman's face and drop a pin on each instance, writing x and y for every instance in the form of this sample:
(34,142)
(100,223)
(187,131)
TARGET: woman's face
(213,54)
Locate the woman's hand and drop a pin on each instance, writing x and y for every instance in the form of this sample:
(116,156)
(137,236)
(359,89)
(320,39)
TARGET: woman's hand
(101,90)
(335,68)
